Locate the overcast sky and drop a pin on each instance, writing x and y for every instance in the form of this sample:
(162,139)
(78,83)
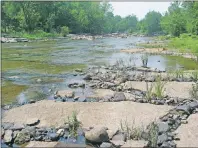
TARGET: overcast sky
(138,8)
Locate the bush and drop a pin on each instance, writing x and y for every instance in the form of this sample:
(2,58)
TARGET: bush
(64,31)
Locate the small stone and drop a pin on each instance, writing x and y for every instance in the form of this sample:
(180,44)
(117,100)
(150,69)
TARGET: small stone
(52,136)
(106,145)
(120,136)
(2,132)
(22,137)
(184,121)
(163,127)
(66,93)
(8,136)
(7,125)
(119,97)
(32,101)
(32,121)
(140,100)
(76,98)
(60,132)
(118,143)
(162,138)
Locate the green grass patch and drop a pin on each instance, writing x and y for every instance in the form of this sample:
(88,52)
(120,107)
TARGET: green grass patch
(10,91)
(39,66)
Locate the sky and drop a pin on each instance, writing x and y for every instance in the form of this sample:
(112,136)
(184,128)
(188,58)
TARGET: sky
(139,9)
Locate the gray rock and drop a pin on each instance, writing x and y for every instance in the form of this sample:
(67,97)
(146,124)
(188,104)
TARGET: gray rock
(106,145)
(193,105)
(52,136)
(120,136)
(163,127)
(150,78)
(118,143)
(162,138)
(8,136)
(7,125)
(60,132)
(31,130)
(185,108)
(17,126)
(22,137)
(111,133)
(107,98)
(82,100)
(97,135)
(2,131)
(119,97)
(15,134)
(87,77)
(32,121)
(159,102)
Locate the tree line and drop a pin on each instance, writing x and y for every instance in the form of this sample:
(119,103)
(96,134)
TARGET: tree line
(95,18)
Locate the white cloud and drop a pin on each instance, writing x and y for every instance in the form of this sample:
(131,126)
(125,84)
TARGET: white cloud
(140,9)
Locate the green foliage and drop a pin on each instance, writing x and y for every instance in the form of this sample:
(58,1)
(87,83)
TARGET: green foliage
(74,124)
(132,132)
(194,91)
(64,31)
(159,88)
(149,91)
(152,134)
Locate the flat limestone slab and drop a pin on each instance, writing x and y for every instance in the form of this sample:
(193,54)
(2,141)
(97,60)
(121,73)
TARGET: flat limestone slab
(41,144)
(173,89)
(108,114)
(188,133)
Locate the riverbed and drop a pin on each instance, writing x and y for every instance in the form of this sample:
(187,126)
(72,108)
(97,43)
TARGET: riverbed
(35,70)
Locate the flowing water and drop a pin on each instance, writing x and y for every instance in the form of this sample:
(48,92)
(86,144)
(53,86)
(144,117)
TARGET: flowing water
(33,71)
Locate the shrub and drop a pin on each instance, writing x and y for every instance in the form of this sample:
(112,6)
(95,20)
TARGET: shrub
(64,31)
(149,92)
(152,134)
(74,124)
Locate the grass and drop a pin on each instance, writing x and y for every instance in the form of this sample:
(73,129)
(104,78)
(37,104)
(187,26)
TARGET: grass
(10,91)
(132,132)
(194,91)
(159,88)
(41,67)
(152,45)
(34,35)
(195,75)
(149,92)
(185,43)
(152,134)
(74,124)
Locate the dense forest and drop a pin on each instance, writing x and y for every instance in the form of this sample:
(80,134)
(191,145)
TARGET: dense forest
(94,18)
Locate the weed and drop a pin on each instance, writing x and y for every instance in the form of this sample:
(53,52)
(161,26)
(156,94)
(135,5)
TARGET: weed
(74,124)
(144,59)
(194,91)
(132,132)
(149,92)
(179,74)
(159,88)
(152,134)
(195,75)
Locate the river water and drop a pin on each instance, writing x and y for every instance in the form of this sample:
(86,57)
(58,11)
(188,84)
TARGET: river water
(33,71)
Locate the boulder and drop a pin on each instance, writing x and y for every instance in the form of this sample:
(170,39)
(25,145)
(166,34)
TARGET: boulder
(119,97)
(163,127)
(66,93)
(8,136)
(97,135)
(111,133)
(22,137)
(106,145)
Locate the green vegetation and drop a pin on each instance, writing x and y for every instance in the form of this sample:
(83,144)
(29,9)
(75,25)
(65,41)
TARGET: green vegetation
(46,19)
(159,88)
(132,132)
(149,91)
(74,124)
(10,91)
(152,134)
(194,91)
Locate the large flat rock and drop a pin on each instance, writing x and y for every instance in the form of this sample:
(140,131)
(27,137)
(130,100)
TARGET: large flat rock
(173,89)
(188,133)
(108,114)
